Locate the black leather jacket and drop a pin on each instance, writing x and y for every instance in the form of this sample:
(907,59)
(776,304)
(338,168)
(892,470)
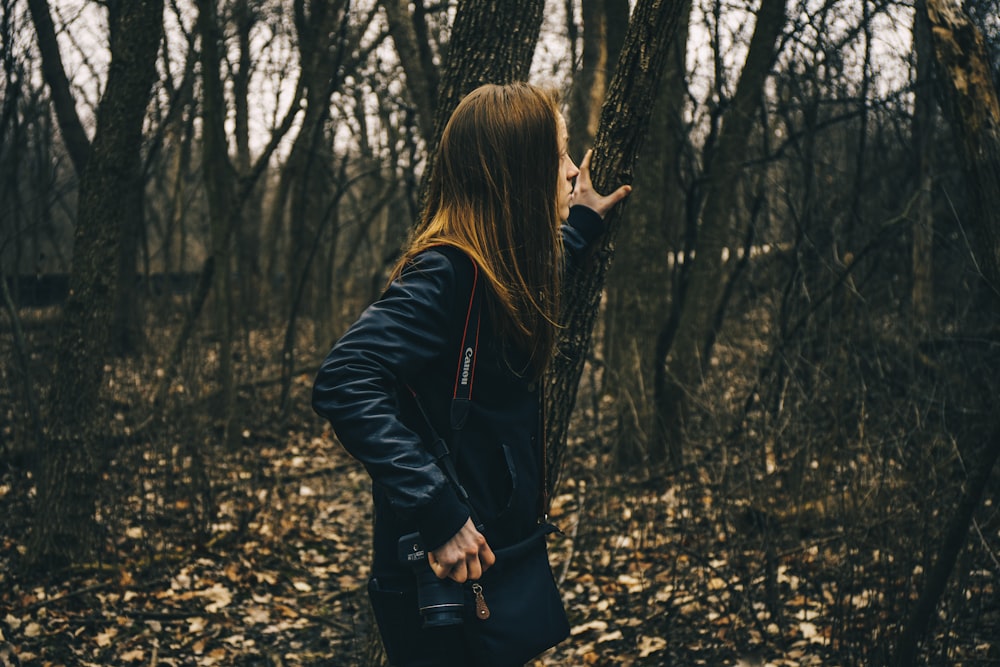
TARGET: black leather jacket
(411,336)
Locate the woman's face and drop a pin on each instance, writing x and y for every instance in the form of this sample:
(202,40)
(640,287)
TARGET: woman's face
(567,171)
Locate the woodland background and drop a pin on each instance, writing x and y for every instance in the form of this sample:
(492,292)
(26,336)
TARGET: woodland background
(774,413)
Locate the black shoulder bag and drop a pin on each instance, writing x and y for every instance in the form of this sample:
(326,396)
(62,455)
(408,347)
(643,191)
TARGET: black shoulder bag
(515,611)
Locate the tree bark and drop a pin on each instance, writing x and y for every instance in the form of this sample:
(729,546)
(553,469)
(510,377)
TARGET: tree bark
(77,444)
(974,111)
(310,165)
(685,360)
(127,329)
(639,283)
(171,360)
(247,260)
(975,115)
(591,81)
(491,42)
(922,291)
(220,188)
(625,118)
(74,136)
(419,81)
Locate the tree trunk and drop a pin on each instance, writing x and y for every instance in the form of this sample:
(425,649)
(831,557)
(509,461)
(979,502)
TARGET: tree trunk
(419,82)
(73,134)
(685,360)
(491,42)
(126,327)
(127,330)
(974,111)
(220,188)
(307,175)
(244,188)
(639,283)
(922,291)
(625,117)
(617,14)
(975,116)
(245,18)
(590,82)
(77,442)
(604,25)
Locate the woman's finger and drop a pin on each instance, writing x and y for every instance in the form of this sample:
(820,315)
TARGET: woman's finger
(487,557)
(474,568)
(459,573)
(439,569)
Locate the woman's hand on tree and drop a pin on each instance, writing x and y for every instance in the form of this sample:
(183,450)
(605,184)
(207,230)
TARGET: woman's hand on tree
(585,195)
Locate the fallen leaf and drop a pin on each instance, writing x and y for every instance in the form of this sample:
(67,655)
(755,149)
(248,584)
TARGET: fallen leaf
(218,595)
(599,626)
(649,645)
(104,638)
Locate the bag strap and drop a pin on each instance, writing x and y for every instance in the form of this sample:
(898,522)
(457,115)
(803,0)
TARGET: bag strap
(462,395)
(468,351)
(442,456)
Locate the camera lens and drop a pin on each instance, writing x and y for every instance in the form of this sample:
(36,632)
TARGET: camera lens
(440,600)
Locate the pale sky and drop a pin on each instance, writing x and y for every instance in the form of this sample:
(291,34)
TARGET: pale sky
(84,49)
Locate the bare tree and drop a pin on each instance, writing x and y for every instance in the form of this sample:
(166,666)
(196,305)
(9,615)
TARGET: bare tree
(228,194)
(78,442)
(13,146)
(491,42)
(974,111)
(604,25)
(221,189)
(74,136)
(415,58)
(643,283)
(686,356)
(922,293)
(625,118)
(127,330)
(311,181)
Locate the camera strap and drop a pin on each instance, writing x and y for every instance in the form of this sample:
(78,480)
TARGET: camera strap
(462,395)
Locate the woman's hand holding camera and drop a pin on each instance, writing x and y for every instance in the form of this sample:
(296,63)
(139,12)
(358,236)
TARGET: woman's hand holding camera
(464,557)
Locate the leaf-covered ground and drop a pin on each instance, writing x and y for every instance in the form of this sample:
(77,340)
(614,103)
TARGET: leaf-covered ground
(280,579)
(257,554)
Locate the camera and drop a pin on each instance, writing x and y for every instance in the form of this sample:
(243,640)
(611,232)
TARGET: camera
(440,601)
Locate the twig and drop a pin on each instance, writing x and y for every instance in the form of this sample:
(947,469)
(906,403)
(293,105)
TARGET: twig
(163,615)
(986,545)
(67,596)
(21,354)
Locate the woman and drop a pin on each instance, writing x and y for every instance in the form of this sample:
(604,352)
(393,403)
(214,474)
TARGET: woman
(502,184)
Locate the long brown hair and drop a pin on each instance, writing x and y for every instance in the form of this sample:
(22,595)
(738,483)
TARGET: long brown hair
(493,194)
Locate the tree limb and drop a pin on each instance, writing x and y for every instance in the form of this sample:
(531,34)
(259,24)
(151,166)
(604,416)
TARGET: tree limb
(74,136)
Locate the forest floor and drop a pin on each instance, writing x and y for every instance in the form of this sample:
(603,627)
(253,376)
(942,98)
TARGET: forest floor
(258,555)
(278,577)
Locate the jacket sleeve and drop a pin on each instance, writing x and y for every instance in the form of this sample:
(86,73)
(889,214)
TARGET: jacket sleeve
(579,232)
(396,337)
